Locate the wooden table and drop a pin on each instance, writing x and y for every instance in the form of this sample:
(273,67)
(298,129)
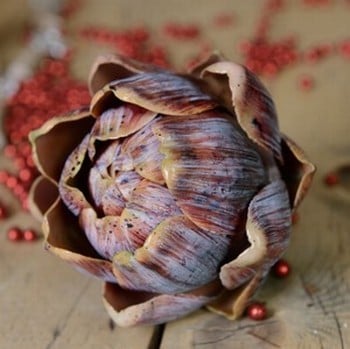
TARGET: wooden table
(46,304)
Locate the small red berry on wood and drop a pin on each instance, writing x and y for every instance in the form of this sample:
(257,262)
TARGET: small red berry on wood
(257,311)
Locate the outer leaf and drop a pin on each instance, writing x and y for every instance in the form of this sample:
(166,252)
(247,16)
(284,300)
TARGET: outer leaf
(268,228)
(108,68)
(160,92)
(65,131)
(43,193)
(65,239)
(297,171)
(176,257)
(73,197)
(213,57)
(210,167)
(119,122)
(129,308)
(250,100)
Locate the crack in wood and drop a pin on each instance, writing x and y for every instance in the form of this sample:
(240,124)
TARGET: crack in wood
(336,291)
(157,337)
(56,333)
(340,333)
(111,324)
(306,287)
(312,295)
(321,305)
(238,328)
(321,343)
(264,339)
(59,328)
(233,332)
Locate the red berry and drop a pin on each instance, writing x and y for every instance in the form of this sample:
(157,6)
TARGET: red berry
(331,179)
(281,269)
(25,175)
(306,83)
(10,150)
(257,311)
(29,235)
(18,190)
(19,162)
(3,176)
(14,234)
(3,213)
(344,48)
(11,182)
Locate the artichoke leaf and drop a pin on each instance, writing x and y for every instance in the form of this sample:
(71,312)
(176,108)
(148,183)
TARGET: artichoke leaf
(176,257)
(250,101)
(268,229)
(160,92)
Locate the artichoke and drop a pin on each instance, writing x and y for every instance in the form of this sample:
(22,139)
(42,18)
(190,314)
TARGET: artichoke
(175,189)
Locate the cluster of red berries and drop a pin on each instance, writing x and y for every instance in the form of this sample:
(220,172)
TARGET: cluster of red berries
(133,43)
(15,234)
(318,52)
(264,56)
(18,184)
(51,91)
(269,58)
(181,31)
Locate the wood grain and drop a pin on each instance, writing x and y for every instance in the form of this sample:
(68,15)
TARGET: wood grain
(45,304)
(309,310)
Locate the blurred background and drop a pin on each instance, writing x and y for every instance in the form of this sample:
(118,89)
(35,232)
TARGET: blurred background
(301,51)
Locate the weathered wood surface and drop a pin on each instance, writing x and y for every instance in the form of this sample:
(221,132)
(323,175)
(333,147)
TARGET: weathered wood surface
(46,304)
